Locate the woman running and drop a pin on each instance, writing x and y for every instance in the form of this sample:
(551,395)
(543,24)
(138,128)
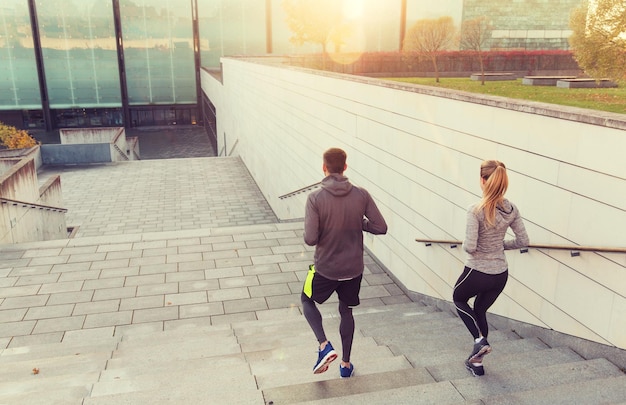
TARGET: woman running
(486,270)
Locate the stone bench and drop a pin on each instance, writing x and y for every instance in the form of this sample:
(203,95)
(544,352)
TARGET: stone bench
(490,77)
(544,80)
(585,83)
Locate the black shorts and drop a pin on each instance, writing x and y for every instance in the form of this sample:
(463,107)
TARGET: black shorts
(319,288)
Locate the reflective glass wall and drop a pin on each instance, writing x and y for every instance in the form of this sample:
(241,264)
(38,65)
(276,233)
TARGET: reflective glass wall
(79,53)
(81,65)
(231,27)
(19,86)
(158,49)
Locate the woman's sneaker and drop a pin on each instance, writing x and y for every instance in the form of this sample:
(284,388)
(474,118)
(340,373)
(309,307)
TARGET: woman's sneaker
(481,348)
(476,369)
(324,358)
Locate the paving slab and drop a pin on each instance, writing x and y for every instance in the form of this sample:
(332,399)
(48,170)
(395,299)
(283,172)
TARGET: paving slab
(591,392)
(43,351)
(535,378)
(364,366)
(341,389)
(500,363)
(456,355)
(42,385)
(52,396)
(22,370)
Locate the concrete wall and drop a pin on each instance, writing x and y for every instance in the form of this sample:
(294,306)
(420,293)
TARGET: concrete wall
(23,219)
(20,181)
(87,146)
(7,164)
(89,135)
(55,154)
(418,150)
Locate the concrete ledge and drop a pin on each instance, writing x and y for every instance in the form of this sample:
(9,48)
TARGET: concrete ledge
(585,83)
(593,117)
(491,77)
(544,80)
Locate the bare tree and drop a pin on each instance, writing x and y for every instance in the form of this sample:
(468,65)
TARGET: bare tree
(599,38)
(316,21)
(428,37)
(474,35)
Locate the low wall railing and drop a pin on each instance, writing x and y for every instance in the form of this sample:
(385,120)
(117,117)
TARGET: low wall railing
(574,249)
(31,205)
(301,190)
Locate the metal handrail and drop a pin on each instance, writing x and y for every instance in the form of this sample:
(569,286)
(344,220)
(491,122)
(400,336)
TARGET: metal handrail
(31,205)
(124,155)
(572,248)
(301,190)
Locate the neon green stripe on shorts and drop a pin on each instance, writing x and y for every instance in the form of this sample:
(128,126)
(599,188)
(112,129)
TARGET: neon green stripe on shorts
(308,283)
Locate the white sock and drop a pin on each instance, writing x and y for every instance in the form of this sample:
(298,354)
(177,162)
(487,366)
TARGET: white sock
(478,339)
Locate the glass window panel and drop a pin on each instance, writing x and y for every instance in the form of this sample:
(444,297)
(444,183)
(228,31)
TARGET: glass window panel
(80,55)
(231,27)
(158,49)
(19,84)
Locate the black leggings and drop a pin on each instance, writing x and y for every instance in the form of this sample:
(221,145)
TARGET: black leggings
(346,325)
(486,288)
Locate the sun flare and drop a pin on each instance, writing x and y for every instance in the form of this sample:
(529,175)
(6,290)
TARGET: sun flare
(353,9)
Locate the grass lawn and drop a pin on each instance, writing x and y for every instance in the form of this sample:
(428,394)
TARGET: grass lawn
(611,100)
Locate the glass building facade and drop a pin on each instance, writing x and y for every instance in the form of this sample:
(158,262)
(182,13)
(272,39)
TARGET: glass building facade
(81,63)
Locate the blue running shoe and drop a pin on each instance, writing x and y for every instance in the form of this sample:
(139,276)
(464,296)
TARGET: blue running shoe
(325,357)
(346,372)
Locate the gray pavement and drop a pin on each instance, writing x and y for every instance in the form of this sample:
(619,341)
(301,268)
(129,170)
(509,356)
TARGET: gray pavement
(172,142)
(159,243)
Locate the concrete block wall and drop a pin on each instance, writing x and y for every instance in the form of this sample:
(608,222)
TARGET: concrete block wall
(50,192)
(89,135)
(95,138)
(418,150)
(19,182)
(55,154)
(23,222)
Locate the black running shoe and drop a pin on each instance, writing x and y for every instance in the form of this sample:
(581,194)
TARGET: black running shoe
(481,349)
(476,370)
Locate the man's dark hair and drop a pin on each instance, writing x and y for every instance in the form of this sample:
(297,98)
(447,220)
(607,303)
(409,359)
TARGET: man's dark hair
(335,160)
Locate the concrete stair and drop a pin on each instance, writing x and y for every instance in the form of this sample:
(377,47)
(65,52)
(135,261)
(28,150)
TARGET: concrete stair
(403,354)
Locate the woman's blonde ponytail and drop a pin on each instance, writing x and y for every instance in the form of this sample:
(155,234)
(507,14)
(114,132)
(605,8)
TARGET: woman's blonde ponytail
(496,180)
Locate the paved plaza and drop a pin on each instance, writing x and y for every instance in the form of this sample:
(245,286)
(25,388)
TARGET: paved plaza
(157,243)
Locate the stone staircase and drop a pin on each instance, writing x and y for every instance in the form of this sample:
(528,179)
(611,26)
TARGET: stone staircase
(403,354)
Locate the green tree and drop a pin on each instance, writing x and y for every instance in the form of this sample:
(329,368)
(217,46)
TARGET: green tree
(13,138)
(598,38)
(426,38)
(316,21)
(474,35)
